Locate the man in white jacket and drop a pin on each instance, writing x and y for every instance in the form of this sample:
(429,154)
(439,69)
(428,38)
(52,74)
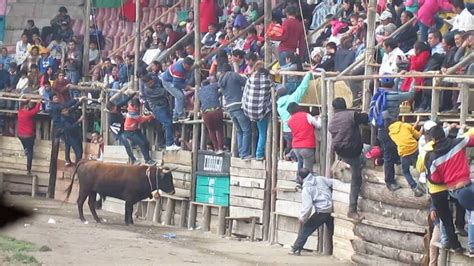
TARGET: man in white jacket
(317,193)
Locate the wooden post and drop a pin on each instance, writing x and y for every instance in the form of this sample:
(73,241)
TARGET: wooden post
(252,233)
(192,215)
(34,185)
(434,100)
(268,179)
(87,38)
(84,128)
(324,123)
(183,211)
(157,211)
(203,138)
(206,218)
(137,44)
(464,103)
(369,52)
(150,210)
(330,111)
(221,219)
(53,165)
(274,165)
(169,213)
(197,78)
(1,183)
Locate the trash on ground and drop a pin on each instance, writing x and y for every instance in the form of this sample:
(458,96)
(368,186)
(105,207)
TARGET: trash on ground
(169,236)
(51,221)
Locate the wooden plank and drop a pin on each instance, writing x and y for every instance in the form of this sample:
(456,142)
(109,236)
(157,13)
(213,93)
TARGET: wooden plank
(344,229)
(293,166)
(286,183)
(288,224)
(20,166)
(287,239)
(178,157)
(364,259)
(294,196)
(289,208)
(340,196)
(286,175)
(236,162)
(177,175)
(178,167)
(240,181)
(23,188)
(24,180)
(21,159)
(246,202)
(241,211)
(243,228)
(342,248)
(341,186)
(182,184)
(340,208)
(253,173)
(459,259)
(247,192)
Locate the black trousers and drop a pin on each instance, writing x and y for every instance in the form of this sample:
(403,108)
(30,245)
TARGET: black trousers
(28,144)
(313,223)
(441,204)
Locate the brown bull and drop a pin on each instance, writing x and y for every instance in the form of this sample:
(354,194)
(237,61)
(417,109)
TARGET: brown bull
(126,182)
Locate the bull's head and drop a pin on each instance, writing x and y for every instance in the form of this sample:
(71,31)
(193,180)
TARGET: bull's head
(165,180)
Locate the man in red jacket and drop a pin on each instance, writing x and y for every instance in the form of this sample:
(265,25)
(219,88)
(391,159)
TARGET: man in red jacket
(302,126)
(447,164)
(26,129)
(293,36)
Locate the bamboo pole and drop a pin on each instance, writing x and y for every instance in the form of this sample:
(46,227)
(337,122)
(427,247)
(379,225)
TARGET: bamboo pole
(406,75)
(87,38)
(137,44)
(464,103)
(116,51)
(197,78)
(434,101)
(271,161)
(324,123)
(369,52)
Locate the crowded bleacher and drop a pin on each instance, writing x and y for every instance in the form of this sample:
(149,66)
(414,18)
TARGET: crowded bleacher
(306,36)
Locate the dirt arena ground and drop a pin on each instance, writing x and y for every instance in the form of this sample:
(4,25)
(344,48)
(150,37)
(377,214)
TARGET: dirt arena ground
(112,243)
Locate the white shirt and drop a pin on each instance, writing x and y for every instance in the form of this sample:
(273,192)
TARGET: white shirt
(389,61)
(464,21)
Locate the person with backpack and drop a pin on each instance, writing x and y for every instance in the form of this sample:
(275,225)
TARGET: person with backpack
(387,99)
(347,143)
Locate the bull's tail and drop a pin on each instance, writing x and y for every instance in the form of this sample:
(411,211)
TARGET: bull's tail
(69,189)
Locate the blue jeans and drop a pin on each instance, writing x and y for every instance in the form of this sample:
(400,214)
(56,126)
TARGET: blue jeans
(178,95)
(262,126)
(74,141)
(282,58)
(470,230)
(407,161)
(443,238)
(163,116)
(244,131)
(465,196)
(423,31)
(124,141)
(138,138)
(390,155)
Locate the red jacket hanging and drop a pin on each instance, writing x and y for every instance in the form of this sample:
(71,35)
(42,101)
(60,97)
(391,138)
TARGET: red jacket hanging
(417,63)
(129,9)
(208,14)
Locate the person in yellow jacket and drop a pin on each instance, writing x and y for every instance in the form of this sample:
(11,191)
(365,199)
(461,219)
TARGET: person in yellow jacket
(405,136)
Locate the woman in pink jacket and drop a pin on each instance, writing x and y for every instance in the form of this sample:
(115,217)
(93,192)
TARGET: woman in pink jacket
(427,14)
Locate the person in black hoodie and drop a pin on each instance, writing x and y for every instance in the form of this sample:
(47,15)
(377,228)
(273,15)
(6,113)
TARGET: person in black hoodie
(72,133)
(347,143)
(450,48)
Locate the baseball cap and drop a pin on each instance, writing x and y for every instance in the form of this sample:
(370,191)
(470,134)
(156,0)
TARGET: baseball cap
(385,15)
(429,125)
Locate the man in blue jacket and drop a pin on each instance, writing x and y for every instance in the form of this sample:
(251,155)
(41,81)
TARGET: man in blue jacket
(174,81)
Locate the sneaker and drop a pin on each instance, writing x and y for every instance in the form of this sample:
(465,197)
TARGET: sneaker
(67,164)
(417,191)
(455,247)
(260,158)
(461,231)
(183,119)
(453,111)
(355,216)
(247,158)
(173,147)
(150,162)
(295,252)
(218,152)
(393,187)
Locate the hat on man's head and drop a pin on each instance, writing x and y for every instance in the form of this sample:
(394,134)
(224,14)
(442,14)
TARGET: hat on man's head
(389,28)
(63,9)
(429,125)
(385,15)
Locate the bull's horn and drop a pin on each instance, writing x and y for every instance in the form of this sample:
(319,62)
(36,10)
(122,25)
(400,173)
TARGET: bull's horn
(167,169)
